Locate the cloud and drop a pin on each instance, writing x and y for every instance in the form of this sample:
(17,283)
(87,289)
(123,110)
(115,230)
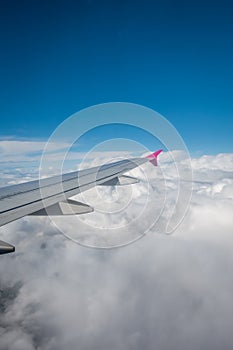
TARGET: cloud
(18,147)
(162,292)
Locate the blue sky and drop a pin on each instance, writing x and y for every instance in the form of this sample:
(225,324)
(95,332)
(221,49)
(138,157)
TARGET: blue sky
(58,57)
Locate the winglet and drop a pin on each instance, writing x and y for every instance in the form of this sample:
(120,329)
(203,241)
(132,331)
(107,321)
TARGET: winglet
(153,157)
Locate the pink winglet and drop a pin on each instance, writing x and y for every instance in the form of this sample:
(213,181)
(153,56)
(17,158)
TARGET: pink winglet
(153,157)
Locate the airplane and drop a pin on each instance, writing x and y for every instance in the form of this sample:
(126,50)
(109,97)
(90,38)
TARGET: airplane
(51,196)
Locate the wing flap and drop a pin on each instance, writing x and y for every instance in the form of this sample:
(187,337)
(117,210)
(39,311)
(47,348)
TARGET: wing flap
(69,207)
(121,181)
(6,248)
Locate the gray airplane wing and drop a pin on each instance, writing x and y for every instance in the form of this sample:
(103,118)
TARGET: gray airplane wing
(51,195)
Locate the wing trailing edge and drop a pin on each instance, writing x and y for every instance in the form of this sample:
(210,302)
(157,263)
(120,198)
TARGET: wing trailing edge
(68,207)
(121,181)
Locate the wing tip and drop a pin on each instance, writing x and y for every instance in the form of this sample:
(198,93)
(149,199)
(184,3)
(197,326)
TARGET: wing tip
(153,157)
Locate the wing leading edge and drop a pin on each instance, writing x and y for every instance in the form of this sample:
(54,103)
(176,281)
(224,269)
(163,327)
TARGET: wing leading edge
(32,198)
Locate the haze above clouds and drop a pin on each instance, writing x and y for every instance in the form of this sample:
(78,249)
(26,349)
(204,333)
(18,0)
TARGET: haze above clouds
(162,292)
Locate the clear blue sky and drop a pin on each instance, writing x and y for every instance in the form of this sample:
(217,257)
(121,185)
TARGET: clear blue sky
(176,57)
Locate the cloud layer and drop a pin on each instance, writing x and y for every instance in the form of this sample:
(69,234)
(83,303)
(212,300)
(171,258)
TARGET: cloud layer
(162,292)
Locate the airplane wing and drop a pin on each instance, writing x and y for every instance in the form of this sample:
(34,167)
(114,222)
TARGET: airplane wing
(52,194)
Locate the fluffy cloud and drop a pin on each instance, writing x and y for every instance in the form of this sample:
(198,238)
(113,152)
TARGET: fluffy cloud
(161,292)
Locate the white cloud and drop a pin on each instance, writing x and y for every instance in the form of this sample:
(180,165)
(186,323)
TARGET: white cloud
(14,147)
(162,292)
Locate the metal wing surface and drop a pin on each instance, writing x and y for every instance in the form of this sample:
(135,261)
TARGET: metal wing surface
(32,198)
